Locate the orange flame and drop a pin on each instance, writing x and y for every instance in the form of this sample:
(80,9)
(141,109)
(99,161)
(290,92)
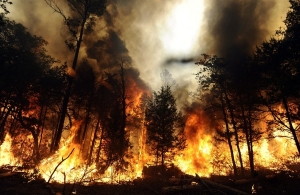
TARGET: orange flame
(196,157)
(6,155)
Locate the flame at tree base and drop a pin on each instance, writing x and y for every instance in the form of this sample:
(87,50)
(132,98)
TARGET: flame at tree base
(68,166)
(202,156)
(6,155)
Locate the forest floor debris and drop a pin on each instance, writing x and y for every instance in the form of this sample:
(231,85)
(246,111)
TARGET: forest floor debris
(279,182)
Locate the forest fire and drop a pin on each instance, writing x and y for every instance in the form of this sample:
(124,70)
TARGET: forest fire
(119,120)
(200,155)
(69,152)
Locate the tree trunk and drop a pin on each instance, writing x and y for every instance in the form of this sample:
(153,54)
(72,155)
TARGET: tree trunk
(36,146)
(87,119)
(235,132)
(292,129)
(100,145)
(43,122)
(124,118)
(68,91)
(3,122)
(163,164)
(93,142)
(31,128)
(250,144)
(228,136)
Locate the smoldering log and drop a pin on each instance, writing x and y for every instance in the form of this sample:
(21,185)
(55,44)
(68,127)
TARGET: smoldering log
(8,174)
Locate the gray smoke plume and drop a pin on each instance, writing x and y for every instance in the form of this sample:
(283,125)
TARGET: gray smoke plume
(236,27)
(141,32)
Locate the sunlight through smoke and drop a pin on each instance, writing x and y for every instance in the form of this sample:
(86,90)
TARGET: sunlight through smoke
(183,28)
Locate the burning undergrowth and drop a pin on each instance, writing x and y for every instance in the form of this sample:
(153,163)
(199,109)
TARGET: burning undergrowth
(204,154)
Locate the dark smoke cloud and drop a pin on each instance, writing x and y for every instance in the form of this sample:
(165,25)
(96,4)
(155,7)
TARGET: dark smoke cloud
(179,60)
(108,51)
(131,29)
(135,75)
(235,27)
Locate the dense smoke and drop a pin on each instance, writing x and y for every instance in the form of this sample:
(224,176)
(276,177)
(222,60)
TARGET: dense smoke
(155,35)
(236,27)
(40,20)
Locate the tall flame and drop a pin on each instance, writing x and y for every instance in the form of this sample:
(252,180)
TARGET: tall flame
(6,155)
(197,155)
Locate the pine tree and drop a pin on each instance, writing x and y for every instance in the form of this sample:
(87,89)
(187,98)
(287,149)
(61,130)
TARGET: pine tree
(164,124)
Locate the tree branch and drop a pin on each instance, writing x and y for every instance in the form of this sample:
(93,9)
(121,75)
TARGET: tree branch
(62,160)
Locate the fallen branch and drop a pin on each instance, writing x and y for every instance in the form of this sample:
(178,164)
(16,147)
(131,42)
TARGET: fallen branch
(62,160)
(7,174)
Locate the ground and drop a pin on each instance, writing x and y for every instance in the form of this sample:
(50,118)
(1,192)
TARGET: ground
(267,182)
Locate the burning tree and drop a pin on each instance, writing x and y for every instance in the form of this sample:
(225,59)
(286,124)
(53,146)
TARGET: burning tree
(165,126)
(278,60)
(82,20)
(27,82)
(233,91)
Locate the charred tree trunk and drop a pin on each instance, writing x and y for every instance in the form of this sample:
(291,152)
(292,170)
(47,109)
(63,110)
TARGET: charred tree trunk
(43,125)
(249,139)
(100,145)
(68,90)
(228,135)
(163,163)
(87,118)
(235,131)
(124,105)
(3,122)
(291,127)
(30,126)
(36,150)
(283,97)
(93,142)
(248,134)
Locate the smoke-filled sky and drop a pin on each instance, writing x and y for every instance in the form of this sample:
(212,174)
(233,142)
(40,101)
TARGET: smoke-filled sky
(160,34)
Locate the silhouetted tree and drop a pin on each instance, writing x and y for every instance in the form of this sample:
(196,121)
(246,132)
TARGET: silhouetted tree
(278,60)
(24,65)
(233,84)
(164,126)
(3,6)
(110,141)
(212,80)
